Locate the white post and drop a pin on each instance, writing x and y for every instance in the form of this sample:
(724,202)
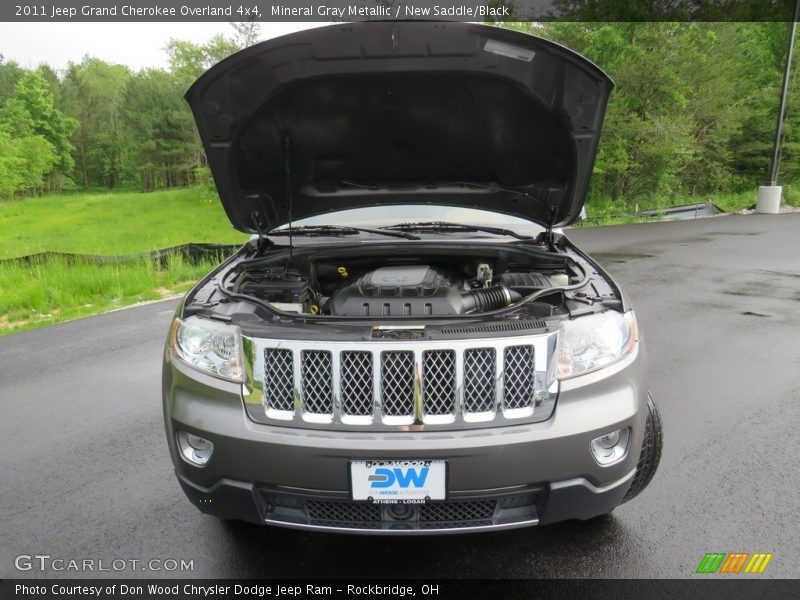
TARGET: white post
(769,199)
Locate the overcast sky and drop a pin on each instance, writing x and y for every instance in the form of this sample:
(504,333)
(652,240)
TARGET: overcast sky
(137,45)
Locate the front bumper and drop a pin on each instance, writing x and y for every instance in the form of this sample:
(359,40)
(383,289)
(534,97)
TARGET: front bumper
(498,478)
(462,513)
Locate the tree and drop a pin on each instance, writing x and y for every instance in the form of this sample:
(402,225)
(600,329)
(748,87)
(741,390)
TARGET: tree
(162,131)
(30,111)
(187,60)
(10,74)
(246,33)
(24,161)
(93,94)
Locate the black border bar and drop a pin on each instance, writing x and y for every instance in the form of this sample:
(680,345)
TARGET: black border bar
(390,10)
(705,587)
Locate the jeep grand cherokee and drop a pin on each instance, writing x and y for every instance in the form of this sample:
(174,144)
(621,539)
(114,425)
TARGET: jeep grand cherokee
(408,343)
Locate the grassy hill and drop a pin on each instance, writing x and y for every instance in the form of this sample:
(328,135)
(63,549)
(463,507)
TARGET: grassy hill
(54,290)
(112,223)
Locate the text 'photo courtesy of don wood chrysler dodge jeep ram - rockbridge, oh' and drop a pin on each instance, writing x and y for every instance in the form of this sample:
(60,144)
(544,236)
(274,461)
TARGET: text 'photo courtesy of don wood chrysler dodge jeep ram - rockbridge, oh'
(408,343)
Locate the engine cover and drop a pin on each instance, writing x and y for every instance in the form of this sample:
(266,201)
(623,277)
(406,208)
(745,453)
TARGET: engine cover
(417,290)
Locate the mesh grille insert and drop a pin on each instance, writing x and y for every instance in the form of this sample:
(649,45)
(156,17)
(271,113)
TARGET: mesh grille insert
(479,380)
(316,370)
(278,379)
(356,383)
(478,510)
(439,382)
(518,377)
(397,382)
(343,512)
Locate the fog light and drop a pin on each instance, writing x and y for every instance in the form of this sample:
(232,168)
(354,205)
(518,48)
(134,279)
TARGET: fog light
(194,449)
(611,447)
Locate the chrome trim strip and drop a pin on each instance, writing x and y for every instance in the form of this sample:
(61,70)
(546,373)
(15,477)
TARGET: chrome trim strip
(382,531)
(336,389)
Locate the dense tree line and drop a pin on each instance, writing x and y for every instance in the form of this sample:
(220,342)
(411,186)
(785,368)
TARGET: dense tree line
(693,112)
(102,125)
(694,107)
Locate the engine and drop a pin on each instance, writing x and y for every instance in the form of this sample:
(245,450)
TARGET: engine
(408,286)
(398,291)
(416,291)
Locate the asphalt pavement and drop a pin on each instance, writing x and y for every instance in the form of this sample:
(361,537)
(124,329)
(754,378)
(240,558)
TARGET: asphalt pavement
(85,473)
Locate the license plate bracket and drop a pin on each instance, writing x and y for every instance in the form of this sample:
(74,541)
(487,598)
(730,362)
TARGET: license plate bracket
(412,481)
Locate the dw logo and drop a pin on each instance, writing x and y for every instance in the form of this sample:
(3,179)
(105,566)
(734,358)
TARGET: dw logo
(384,478)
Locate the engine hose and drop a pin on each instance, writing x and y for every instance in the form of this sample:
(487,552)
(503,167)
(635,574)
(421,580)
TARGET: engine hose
(491,298)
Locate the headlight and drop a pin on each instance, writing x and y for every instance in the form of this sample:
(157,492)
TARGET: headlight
(211,347)
(595,341)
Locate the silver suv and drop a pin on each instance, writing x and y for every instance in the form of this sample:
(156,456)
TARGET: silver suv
(408,343)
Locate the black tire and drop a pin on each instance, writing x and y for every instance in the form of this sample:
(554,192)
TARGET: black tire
(651,451)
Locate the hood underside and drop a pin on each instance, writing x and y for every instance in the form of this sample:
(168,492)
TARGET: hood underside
(364,114)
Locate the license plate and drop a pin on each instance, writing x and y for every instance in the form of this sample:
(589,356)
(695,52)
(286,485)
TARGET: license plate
(398,481)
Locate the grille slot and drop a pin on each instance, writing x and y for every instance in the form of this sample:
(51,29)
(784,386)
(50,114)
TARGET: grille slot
(278,379)
(397,383)
(518,377)
(479,380)
(439,382)
(317,371)
(343,512)
(356,383)
(477,510)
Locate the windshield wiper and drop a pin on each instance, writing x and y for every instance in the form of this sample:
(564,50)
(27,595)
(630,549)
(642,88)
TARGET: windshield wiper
(436,226)
(340,230)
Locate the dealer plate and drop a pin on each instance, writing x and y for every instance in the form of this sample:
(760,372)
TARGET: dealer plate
(398,481)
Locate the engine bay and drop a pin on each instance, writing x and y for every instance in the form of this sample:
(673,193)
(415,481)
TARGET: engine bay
(423,283)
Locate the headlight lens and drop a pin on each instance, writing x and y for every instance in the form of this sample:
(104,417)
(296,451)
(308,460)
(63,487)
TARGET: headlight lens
(211,347)
(595,341)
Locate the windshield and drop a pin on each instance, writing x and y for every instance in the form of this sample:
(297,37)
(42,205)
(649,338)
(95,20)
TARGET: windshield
(378,216)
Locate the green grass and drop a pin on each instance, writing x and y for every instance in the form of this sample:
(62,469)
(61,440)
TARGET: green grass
(112,224)
(54,290)
(57,290)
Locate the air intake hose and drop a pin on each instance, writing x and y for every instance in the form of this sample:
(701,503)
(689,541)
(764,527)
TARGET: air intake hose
(491,298)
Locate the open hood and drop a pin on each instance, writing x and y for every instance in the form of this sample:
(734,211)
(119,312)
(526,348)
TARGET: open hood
(361,114)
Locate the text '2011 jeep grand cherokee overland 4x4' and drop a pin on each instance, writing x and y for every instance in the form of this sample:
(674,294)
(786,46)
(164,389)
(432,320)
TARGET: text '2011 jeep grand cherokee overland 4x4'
(408,344)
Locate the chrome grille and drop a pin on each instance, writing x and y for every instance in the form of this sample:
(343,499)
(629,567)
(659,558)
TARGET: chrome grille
(384,386)
(518,377)
(397,383)
(439,382)
(278,379)
(356,383)
(480,376)
(317,373)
